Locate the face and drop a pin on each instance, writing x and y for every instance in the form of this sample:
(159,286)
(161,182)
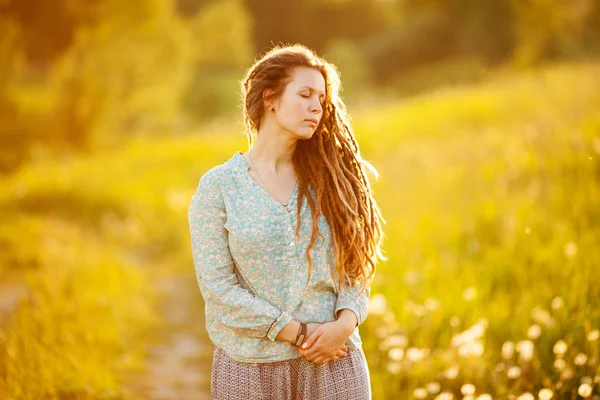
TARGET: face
(301,101)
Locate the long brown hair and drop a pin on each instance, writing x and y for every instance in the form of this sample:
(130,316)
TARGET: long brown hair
(329,161)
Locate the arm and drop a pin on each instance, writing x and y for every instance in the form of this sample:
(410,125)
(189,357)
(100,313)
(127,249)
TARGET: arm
(238,309)
(351,299)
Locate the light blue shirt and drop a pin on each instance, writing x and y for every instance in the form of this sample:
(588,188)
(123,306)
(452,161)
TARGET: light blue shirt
(252,268)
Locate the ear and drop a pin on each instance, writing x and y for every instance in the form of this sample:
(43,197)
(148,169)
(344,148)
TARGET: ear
(267,96)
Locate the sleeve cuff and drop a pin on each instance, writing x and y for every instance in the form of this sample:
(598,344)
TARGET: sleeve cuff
(280,323)
(354,310)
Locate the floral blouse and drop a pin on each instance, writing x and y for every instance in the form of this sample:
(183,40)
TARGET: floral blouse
(252,268)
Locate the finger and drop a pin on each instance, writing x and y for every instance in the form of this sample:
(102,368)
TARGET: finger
(341,353)
(345,347)
(311,339)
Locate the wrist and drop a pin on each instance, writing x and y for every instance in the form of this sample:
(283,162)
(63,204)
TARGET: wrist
(347,319)
(289,332)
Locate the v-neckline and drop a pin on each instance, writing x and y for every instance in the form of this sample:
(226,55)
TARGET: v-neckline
(253,181)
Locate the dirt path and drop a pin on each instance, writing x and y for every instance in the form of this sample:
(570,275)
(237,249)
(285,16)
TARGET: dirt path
(180,357)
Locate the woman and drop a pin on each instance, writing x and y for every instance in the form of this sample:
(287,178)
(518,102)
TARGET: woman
(285,239)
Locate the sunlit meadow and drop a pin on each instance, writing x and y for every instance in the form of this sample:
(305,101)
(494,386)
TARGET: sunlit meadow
(492,200)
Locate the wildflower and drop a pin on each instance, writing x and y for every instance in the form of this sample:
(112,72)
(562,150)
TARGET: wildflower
(534,332)
(513,372)
(467,389)
(396,353)
(545,394)
(584,390)
(508,349)
(444,396)
(396,341)
(469,293)
(557,303)
(484,396)
(394,367)
(525,349)
(451,372)
(432,304)
(378,304)
(419,393)
(592,336)
(433,387)
(570,249)
(580,359)
(560,348)
(526,396)
(560,364)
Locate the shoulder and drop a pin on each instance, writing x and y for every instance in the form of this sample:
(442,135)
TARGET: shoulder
(221,174)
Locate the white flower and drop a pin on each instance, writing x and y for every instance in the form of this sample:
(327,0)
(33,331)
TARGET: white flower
(585,390)
(570,249)
(451,372)
(467,389)
(525,349)
(560,364)
(444,396)
(420,393)
(580,359)
(508,349)
(513,372)
(377,304)
(557,303)
(433,387)
(593,335)
(534,331)
(396,353)
(526,396)
(484,396)
(560,348)
(545,394)
(394,367)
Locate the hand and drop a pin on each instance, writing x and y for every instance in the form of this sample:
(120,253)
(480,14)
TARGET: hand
(325,342)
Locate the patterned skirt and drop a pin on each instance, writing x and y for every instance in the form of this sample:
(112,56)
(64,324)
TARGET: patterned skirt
(346,378)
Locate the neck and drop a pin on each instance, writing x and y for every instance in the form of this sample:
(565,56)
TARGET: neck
(273,151)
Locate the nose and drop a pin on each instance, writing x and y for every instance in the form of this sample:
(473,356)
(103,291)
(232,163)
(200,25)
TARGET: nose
(316,107)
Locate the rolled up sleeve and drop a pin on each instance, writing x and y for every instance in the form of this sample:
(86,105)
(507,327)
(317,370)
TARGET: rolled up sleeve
(234,306)
(350,297)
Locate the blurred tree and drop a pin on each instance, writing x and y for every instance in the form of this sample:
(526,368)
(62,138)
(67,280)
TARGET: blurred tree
(313,22)
(122,67)
(347,56)
(222,50)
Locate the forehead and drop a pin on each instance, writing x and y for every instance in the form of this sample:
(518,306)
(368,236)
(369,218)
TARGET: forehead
(305,76)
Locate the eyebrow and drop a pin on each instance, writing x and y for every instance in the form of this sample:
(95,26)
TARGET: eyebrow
(313,89)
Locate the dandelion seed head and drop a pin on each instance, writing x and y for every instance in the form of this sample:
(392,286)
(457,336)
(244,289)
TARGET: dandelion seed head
(526,396)
(592,336)
(484,396)
(560,364)
(560,348)
(580,359)
(394,367)
(467,389)
(534,332)
(545,394)
(444,396)
(420,393)
(433,387)
(525,349)
(378,304)
(570,249)
(508,349)
(396,353)
(469,293)
(584,390)
(513,372)
(451,373)
(557,303)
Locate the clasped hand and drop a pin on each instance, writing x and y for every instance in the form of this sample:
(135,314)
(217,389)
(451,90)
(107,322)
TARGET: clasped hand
(325,342)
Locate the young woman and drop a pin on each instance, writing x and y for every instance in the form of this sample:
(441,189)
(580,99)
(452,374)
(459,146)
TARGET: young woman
(285,239)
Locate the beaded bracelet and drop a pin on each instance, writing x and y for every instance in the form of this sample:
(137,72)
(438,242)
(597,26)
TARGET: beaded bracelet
(301,335)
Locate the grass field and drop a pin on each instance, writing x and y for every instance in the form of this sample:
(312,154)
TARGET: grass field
(492,200)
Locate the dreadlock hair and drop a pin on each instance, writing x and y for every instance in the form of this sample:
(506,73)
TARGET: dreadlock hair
(329,161)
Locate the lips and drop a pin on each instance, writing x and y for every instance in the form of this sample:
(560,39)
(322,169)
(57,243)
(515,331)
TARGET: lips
(312,120)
